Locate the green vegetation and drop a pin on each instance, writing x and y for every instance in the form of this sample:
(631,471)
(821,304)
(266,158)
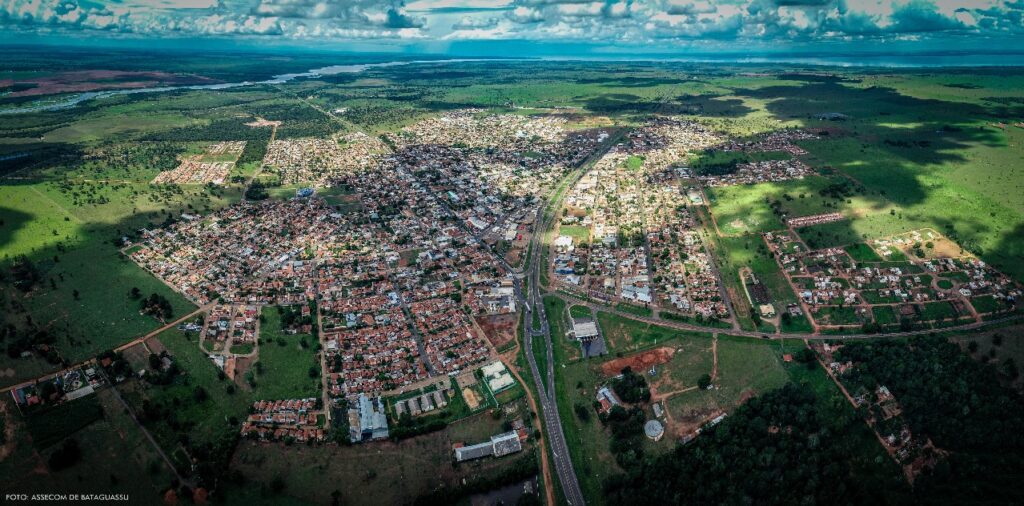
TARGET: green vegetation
(745,367)
(624,334)
(113,455)
(917,149)
(861,252)
(577,311)
(51,425)
(626,307)
(579,234)
(286,361)
(958,404)
(714,468)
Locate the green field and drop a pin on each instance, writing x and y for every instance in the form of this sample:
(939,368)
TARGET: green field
(379,473)
(624,335)
(746,367)
(69,236)
(285,368)
(578,234)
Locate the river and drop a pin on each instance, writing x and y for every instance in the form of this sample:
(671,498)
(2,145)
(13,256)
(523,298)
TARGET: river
(67,102)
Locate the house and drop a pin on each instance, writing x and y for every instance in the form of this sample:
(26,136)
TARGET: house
(607,399)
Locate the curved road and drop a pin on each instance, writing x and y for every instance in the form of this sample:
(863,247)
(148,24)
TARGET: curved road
(545,382)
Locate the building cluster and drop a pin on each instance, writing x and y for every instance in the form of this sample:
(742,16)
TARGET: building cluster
(816,219)
(774,141)
(235,322)
(213,166)
(664,142)
(369,346)
(499,445)
(367,419)
(607,201)
(317,161)
(492,171)
(476,128)
(497,377)
(831,278)
(421,404)
(684,276)
(627,233)
(292,419)
(396,280)
(762,171)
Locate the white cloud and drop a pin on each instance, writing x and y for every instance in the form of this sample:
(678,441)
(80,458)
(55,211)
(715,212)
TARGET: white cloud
(603,21)
(474,22)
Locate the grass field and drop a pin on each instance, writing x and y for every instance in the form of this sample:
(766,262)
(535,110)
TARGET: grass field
(116,457)
(746,367)
(577,311)
(624,335)
(71,241)
(378,473)
(286,369)
(750,251)
(578,234)
(208,421)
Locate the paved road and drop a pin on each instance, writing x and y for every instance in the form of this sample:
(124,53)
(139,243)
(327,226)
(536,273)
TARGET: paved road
(748,333)
(545,381)
(532,302)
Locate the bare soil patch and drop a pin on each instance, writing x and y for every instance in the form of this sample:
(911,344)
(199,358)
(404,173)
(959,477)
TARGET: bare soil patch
(242,365)
(639,362)
(155,346)
(137,356)
(499,329)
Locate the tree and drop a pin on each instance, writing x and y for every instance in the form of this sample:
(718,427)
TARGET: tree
(1010,368)
(582,412)
(66,456)
(24,273)
(786,319)
(631,387)
(704,382)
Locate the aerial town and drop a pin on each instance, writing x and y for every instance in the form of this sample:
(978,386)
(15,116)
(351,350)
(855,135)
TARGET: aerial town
(344,278)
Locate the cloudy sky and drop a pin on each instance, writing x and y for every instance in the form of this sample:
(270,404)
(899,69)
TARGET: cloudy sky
(641,26)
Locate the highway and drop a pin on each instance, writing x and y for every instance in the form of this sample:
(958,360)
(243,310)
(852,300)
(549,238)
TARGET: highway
(545,380)
(531,302)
